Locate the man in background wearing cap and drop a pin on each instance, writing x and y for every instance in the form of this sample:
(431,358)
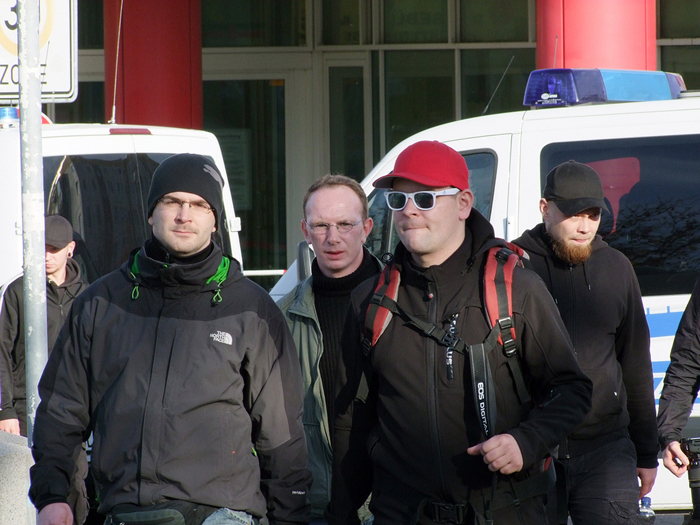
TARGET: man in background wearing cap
(596,291)
(427,460)
(187,375)
(63,284)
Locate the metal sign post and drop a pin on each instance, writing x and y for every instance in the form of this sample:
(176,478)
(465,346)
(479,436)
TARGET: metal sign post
(36,349)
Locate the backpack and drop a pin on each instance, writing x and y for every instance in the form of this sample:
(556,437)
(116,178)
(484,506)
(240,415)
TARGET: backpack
(498,280)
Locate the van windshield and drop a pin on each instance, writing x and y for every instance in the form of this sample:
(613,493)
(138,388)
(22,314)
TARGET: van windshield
(104,198)
(652,188)
(482,170)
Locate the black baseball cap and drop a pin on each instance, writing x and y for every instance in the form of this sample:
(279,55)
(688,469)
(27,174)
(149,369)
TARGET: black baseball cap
(57,231)
(574,187)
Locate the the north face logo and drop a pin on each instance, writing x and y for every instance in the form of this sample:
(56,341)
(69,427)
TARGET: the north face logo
(222,337)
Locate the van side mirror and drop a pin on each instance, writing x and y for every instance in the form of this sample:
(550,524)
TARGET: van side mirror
(304,257)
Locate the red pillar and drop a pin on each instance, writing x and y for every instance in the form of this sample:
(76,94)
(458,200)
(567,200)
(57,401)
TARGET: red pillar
(613,34)
(159,75)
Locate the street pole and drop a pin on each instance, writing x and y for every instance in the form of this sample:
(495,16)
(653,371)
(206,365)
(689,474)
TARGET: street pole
(36,350)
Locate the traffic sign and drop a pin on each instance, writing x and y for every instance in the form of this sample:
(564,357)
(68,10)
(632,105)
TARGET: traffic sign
(58,42)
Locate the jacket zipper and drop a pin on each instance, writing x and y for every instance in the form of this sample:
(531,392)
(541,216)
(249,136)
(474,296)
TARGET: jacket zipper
(572,281)
(432,391)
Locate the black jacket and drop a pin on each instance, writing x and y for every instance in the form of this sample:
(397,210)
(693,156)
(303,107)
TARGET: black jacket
(683,374)
(417,424)
(601,306)
(12,345)
(188,377)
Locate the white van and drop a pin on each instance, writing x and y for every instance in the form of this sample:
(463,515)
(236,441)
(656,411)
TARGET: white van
(648,156)
(98,176)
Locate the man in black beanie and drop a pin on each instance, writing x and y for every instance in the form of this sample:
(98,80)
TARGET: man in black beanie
(187,375)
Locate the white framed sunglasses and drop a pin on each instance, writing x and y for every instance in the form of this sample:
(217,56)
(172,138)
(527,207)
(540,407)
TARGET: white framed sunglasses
(423,200)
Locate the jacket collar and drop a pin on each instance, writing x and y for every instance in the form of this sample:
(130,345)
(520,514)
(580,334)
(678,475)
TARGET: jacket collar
(144,270)
(479,237)
(303,302)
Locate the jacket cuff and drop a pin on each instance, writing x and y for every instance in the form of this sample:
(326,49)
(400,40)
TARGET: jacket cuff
(8,413)
(48,500)
(665,440)
(647,461)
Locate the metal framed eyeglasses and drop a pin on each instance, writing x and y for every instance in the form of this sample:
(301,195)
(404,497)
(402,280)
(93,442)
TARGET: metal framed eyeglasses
(199,207)
(323,228)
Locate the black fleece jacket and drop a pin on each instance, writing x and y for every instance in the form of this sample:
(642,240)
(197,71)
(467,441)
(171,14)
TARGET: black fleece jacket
(417,423)
(12,344)
(683,375)
(601,306)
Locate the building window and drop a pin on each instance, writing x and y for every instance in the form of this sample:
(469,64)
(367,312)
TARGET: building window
(684,60)
(253,23)
(90,24)
(494,21)
(247,117)
(341,22)
(482,70)
(420,92)
(347,122)
(415,21)
(679,18)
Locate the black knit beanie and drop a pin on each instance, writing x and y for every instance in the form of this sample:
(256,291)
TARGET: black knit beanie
(189,173)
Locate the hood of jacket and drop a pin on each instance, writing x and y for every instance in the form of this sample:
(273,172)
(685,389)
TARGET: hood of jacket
(537,241)
(72,286)
(208,275)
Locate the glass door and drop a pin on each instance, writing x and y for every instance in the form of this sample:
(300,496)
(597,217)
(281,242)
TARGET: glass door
(248,119)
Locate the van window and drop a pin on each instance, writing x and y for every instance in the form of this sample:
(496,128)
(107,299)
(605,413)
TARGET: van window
(482,170)
(104,198)
(652,188)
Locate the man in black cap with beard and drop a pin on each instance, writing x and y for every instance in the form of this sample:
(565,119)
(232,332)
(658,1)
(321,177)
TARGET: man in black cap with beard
(598,296)
(187,375)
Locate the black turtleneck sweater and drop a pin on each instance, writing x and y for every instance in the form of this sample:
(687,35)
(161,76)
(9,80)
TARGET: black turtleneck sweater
(156,251)
(332,297)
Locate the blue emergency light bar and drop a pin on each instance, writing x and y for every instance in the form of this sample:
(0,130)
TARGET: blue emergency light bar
(567,87)
(9,116)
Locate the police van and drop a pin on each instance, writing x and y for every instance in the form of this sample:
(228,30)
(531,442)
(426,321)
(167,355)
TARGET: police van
(640,131)
(97,176)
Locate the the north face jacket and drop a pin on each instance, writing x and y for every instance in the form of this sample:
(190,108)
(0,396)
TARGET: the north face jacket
(601,306)
(300,310)
(12,345)
(188,377)
(417,424)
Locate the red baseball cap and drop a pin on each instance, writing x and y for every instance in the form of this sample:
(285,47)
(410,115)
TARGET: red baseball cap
(430,163)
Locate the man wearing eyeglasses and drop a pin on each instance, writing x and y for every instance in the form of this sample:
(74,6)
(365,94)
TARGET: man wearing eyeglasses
(186,374)
(336,224)
(416,441)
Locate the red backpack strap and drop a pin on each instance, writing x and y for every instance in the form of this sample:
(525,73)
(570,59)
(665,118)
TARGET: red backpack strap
(378,317)
(500,263)
(498,299)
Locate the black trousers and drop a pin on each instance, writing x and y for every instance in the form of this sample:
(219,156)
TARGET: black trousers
(600,486)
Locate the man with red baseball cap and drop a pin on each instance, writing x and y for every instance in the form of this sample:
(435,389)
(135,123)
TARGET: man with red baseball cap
(428,459)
